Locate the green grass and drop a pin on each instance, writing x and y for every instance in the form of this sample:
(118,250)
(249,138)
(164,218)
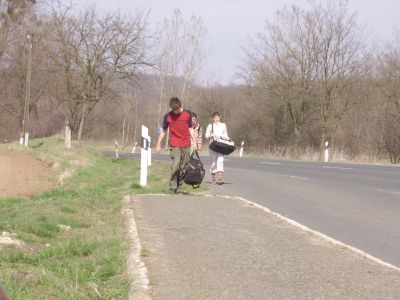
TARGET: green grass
(85,258)
(145,253)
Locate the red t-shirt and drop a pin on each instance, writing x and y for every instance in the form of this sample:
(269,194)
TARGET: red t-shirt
(179,124)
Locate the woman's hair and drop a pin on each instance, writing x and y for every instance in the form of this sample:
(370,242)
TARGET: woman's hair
(215,114)
(194,115)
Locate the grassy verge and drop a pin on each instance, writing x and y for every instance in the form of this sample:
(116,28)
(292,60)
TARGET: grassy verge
(312,154)
(73,236)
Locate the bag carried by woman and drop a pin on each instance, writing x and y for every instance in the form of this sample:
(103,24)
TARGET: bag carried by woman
(221,145)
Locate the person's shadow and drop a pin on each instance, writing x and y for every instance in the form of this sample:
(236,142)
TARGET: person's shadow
(212,183)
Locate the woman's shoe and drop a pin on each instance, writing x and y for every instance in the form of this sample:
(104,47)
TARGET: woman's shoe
(220,178)
(214,178)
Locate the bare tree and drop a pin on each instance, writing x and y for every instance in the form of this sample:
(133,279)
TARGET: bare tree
(389,72)
(13,75)
(129,113)
(389,83)
(11,11)
(283,60)
(308,59)
(92,51)
(341,52)
(178,53)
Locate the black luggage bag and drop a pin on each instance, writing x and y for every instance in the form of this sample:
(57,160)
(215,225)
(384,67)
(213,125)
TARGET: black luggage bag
(194,171)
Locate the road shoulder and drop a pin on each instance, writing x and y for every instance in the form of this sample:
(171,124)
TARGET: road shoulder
(198,247)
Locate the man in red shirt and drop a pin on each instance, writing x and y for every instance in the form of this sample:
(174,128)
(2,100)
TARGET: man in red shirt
(3,295)
(181,135)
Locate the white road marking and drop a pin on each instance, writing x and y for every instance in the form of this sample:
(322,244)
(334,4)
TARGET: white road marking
(295,177)
(339,168)
(269,163)
(389,192)
(314,232)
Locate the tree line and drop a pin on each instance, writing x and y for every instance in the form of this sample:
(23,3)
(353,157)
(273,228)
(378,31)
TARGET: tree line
(317,77)
(312,75)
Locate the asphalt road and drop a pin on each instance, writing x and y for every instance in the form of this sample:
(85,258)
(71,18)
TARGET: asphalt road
(357,204)
(223,248)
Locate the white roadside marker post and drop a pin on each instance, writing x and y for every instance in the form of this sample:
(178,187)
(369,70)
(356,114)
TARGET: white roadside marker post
(26,140)
(326,156)
(134,147)
(116,150)
(144,156)
(149,152)
(241,149)
(67,138)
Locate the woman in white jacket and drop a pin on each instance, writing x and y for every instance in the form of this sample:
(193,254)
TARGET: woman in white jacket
(216,130)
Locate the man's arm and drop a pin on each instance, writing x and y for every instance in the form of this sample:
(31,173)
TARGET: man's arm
(160,138)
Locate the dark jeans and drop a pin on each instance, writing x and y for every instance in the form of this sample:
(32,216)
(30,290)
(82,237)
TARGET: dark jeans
(180,157)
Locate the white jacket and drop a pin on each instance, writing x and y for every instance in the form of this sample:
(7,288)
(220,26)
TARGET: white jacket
(216,130)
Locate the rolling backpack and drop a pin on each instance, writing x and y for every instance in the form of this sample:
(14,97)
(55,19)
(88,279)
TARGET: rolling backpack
(194,171)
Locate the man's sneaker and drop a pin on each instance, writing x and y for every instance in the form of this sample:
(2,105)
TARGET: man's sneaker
(179,190)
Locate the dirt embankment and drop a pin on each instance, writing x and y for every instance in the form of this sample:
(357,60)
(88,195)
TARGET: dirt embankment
(22,174)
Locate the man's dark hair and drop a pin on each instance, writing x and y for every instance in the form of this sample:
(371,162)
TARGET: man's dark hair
(215,114)
(175,103)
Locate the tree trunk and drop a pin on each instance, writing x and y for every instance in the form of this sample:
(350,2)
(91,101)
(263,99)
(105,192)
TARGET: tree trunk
(123,133)
(322,144)
(81,122)
(128,129)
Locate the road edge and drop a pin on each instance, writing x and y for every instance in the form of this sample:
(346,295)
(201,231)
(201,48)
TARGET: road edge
(136,269)
(314,232)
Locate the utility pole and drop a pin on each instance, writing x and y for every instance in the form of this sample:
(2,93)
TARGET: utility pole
(25,122)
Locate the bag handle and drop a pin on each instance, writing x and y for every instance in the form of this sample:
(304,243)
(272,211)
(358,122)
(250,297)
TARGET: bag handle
(195,153)
(212,131)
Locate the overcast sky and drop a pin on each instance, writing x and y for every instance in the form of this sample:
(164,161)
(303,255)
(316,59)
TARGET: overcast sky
(230,22)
